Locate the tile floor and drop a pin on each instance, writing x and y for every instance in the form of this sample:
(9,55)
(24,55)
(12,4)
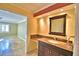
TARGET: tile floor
(16,46)
(33,53)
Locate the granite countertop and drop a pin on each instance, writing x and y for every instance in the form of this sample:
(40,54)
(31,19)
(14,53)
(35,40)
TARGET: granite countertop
(60,44)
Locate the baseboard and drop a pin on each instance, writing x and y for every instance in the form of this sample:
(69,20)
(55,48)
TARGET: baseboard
(21,38)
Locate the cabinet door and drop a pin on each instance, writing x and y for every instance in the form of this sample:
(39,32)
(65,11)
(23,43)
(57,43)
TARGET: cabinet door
(46,51)
(54,52)
(43,49)
(40,51)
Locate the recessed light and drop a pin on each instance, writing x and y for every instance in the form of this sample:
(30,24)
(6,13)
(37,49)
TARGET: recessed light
(0,17)
(61,10)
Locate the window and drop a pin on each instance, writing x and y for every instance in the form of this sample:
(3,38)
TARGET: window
(4,27)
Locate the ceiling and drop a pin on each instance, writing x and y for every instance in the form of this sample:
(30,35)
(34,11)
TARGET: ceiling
(32,7)
(9,17)
(59,10)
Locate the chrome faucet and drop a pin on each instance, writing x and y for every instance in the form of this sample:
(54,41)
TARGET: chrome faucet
(68,40)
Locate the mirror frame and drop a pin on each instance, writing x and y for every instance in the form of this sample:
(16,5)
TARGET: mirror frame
(64,25)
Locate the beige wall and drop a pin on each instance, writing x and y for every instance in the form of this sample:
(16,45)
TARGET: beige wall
(32,29)
(12,30)
(70,23)
(33,26)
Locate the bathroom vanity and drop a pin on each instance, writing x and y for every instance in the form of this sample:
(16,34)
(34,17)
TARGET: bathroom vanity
(51,47)
(45,49)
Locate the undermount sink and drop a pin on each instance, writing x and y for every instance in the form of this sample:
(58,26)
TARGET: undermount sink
(52,41)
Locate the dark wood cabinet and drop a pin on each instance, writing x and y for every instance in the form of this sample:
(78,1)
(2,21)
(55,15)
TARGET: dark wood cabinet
(45,49)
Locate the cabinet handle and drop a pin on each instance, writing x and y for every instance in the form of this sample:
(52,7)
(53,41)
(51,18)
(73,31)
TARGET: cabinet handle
(50,52)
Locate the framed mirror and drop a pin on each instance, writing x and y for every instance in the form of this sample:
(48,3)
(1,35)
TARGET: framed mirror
(58,25)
